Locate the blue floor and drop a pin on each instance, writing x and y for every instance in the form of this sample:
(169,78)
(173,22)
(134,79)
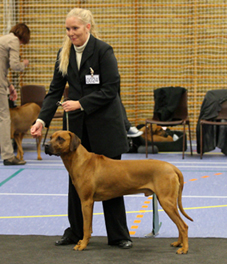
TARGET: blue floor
(34,197)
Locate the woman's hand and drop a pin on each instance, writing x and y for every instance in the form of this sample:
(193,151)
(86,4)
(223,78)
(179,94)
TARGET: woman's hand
(71,105)
(36,129)
(12,93)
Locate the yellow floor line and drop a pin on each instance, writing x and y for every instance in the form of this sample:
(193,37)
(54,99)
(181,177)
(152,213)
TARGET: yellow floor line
(128,212)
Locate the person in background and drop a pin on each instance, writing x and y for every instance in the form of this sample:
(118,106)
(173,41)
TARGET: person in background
(10,58)
(89,67)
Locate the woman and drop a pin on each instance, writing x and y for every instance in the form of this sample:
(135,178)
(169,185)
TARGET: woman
(9,58)
(90,68)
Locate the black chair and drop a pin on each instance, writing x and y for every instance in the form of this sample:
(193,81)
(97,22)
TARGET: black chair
(179,116)
(32,94)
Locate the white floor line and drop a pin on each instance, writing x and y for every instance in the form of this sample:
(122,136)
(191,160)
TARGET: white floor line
(129,196)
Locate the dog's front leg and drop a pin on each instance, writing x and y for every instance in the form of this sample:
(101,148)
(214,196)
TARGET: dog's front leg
(38,142)
(87,211)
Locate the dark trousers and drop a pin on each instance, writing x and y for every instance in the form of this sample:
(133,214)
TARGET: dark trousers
(114,212)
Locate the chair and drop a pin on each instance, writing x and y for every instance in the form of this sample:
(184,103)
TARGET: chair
(32,93)
(216,122)
(179,117)
(58,115)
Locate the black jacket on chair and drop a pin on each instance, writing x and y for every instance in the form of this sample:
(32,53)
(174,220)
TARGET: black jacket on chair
(166,101)
(101,102)
(212,135)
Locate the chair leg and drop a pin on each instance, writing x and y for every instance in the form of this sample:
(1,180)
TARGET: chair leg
(201,141)
(183,141)
(152,140)
(146,144)
(190,138)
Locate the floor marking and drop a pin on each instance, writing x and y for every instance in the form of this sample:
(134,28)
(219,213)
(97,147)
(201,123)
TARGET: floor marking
(145,205)
(10,177)
(204,177)
(137,196)
(210,197)
(34,194)
(128,212)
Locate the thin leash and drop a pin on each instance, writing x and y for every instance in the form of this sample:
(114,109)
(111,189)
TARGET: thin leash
(66,114)
(59,103)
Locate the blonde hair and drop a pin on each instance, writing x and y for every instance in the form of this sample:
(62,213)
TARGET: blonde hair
(87,18)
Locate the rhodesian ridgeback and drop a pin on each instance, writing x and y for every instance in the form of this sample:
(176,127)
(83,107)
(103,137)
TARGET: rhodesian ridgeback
(159,134)
(98,178)
(22,118)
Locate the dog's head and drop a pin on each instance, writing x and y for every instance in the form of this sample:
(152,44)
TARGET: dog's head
(157,130)
(62,142)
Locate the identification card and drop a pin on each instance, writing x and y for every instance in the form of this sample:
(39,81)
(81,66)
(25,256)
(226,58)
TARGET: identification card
(92,79)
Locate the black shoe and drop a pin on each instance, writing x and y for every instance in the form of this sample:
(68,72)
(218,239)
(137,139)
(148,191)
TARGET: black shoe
(14,161)
(64,241)
(125,244)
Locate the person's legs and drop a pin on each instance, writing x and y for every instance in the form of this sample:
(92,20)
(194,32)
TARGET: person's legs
(7,151)
(115,219)
(75,231)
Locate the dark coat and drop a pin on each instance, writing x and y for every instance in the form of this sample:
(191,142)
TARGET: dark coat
(102,113)
(166,101)
(212,135)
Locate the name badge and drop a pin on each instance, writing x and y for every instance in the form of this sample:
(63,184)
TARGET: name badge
(92,79)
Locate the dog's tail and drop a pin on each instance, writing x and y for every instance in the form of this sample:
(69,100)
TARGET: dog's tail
(181,180)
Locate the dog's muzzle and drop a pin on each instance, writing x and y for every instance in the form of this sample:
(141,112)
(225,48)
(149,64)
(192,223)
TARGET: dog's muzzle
(47,149)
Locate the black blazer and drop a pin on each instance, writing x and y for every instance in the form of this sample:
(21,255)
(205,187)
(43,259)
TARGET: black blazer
(102,113)
(212,135)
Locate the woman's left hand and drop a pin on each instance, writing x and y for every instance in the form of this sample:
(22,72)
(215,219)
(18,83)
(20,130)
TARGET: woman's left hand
(71,105)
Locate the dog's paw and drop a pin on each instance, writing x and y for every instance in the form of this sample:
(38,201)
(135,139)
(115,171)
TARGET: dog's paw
(181,251)
(80,246)
(176,244)
(39,158)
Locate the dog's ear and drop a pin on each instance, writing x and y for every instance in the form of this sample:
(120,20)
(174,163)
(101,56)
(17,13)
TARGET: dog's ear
(75,142)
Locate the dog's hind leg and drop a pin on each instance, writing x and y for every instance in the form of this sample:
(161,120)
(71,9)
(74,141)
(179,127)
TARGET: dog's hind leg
(18,139)
(170,207)
(87,211)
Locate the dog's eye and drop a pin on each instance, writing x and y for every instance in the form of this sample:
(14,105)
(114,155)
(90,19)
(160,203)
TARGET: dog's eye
(61,139)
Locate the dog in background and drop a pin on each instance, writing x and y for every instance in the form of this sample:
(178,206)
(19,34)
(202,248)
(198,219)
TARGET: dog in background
(22,118)
(159,134)
(88,173)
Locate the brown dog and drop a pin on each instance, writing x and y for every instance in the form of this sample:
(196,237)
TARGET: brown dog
(89,171)
(159,134)
(22,118)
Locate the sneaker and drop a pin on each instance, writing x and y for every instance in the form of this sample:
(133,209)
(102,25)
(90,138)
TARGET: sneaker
(14,161)
(134,132)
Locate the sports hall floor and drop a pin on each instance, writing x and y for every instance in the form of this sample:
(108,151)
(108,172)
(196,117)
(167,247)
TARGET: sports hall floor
(34,197)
